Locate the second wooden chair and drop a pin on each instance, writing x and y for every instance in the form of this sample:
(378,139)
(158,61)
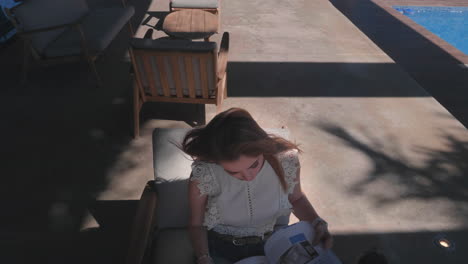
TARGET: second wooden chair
(178,71)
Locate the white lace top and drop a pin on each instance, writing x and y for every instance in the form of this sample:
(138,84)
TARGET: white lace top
(245,208)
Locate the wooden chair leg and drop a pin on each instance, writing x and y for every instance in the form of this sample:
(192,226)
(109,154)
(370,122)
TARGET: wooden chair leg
(136,112)
(86,54)
(92,65)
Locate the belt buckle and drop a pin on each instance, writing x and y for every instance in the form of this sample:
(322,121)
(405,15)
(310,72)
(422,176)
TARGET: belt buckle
(238,241)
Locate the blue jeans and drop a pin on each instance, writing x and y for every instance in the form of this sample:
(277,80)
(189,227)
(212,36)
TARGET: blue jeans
(223,251)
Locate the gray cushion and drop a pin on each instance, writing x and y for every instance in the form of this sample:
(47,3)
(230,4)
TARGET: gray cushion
(100,27)
(37,14)
(194,4)
(173,246)
(172,169)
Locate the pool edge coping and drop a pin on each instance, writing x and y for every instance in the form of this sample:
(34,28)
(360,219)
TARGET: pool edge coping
(436,40)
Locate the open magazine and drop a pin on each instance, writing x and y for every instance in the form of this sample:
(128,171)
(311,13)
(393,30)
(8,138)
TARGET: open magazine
(293,244)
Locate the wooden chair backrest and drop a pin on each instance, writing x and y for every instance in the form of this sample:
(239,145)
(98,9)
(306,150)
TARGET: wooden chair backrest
(182,73)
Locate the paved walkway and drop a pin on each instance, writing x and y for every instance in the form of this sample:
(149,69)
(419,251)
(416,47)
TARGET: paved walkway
(383,161)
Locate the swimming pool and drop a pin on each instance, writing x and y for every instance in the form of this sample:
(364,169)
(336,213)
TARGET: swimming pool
(448,23)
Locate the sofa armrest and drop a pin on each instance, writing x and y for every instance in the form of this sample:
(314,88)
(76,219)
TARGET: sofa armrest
(223,56)
(143,225)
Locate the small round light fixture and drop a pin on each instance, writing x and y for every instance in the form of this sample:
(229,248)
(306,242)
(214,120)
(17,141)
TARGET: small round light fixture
(444,243)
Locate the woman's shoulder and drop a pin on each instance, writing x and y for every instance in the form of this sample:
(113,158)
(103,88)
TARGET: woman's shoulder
(203,174)
(200,168)
(289,160)
(288,155)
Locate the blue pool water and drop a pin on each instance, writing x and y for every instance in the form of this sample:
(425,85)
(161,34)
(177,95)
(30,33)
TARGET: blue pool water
(448,23)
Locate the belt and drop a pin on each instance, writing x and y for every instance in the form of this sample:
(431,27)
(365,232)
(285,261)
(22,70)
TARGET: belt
(241,241)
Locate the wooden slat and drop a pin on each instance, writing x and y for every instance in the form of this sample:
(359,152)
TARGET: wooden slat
(198,22)
(170,24)
(149,74)
(176,74)
(163,75)
(190,77)
(204,76)
(183,21)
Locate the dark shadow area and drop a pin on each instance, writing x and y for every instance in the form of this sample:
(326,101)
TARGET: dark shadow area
(302,79)
(192,114)
(112,214)
(439,173)
(106,243)
(402,247)
(61,135)
(433,68)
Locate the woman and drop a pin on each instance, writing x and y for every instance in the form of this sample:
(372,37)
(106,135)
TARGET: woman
(242,181)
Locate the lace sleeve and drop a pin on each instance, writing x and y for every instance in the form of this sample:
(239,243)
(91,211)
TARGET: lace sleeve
(202,173)
(290,162)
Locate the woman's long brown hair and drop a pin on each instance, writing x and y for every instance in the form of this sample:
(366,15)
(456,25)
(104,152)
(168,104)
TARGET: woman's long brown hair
(231,134)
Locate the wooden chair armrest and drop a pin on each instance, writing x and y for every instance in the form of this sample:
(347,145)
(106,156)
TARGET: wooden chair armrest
(143,225)
(223,56)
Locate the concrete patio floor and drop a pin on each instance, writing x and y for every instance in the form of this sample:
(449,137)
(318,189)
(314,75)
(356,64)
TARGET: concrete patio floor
(384,163)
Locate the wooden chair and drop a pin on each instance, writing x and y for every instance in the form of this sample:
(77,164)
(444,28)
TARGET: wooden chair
(66,30)
(178,71)
(212,6)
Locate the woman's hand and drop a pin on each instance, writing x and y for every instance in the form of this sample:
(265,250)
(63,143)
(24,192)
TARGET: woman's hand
(321,233)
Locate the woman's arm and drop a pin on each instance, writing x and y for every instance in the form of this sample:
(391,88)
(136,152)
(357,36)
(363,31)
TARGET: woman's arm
(197,231)
(304,211)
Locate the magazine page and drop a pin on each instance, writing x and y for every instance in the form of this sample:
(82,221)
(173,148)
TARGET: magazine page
(293,244)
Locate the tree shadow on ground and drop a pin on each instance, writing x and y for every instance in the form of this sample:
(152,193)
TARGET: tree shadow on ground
(440,173)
